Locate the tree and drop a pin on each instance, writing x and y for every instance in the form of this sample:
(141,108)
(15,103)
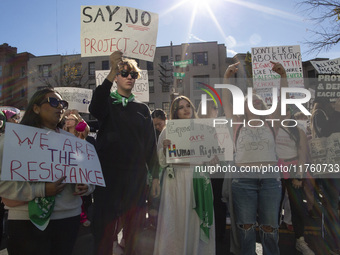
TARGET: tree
(70,75)
(325,15)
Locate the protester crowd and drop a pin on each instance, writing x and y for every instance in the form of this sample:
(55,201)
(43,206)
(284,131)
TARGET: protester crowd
(187,210)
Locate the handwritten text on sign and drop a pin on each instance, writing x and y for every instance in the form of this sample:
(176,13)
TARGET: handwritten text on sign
(140,90)
(264,78)
(34,154)
(197,141)
(77,98)
(331,66)
(106,29)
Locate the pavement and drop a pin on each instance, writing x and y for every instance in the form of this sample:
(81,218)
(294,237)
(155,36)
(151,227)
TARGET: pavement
(313,236)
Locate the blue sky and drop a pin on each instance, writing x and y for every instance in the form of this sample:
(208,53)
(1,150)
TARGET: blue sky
(48,27)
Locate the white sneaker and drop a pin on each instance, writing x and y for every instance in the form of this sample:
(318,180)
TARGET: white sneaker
(117,250)
(302,246)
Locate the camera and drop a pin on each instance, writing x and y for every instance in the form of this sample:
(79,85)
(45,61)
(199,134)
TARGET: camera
(170,172)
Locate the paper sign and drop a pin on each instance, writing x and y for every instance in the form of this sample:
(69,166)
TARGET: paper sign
(328,86)
(327,66)
(34,154)
(106,29)
(263,76)
(140,90)
(325,154)
(77,98)
(198,141)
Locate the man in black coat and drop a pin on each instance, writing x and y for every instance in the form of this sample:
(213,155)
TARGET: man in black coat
(126,147)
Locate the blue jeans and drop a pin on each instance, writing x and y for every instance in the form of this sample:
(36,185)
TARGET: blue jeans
(252,198)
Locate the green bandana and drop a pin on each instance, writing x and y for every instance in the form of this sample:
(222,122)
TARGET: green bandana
(40,210)
(204,202)
(120,99)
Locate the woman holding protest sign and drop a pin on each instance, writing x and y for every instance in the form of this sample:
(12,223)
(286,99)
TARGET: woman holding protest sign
(325,121)
(43,217)
(255,194)
(291,148)
(182,228)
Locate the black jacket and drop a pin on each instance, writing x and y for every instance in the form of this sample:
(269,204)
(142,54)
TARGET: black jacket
(126,146)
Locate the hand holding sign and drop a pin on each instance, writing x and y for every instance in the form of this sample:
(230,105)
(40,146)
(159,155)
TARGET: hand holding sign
(115,59)
(54,188)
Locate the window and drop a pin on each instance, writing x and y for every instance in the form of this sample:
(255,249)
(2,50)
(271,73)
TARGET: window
(151,106)
(0,71)
(166,106)
(66,69)
(164,59)
(105,65)
(77,67)
(0,90)
(151,86)
(45,70)
(200,58)
(22,92)
(23,71)
(92,86)
(178,58)
(92,68)
(200,78)
(149,66)
(165,88)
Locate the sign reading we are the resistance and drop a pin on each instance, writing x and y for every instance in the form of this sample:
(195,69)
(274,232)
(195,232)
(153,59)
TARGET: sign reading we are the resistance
(35,154)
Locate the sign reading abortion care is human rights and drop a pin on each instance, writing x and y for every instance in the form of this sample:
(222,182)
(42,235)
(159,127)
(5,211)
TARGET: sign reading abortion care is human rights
(197,140)
(34,154)
(106,29)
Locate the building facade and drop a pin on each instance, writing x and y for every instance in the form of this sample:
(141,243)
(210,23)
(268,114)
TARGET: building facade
(13,77)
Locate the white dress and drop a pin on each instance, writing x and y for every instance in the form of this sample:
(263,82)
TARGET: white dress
(178,228)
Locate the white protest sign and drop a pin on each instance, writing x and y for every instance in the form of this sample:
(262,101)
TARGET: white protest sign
(198,141)
(327,66)
(140,90)
(106,29)
(325,154)
(77,98)
(34,154)
(263,76)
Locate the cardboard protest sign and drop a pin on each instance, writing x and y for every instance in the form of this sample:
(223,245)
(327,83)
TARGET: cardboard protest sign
(264,79)
(325,154)
(328,86)
(77,98)
(140,90)
(35,154)
(331,66)
(197,141)
(106,29)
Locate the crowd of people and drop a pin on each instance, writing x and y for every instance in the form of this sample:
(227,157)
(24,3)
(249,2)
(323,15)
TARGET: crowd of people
(187,210)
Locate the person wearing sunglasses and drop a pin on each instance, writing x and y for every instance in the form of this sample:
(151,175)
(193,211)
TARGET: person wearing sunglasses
(126,146)
(60,201)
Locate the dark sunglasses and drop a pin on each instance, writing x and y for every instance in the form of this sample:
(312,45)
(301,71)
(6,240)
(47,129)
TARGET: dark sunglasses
(125,73)
(55,102)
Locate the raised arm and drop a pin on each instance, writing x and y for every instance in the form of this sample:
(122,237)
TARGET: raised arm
(226,94)
(100,96)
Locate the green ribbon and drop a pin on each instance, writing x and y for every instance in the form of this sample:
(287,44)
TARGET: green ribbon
(204,203)
(40,210)
(120,99)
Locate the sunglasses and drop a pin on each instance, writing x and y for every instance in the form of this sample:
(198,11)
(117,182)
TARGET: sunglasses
(125,73)
(55,102)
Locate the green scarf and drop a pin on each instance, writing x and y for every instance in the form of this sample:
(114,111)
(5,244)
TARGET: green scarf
(40,210)
(120,99)
(204,202)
